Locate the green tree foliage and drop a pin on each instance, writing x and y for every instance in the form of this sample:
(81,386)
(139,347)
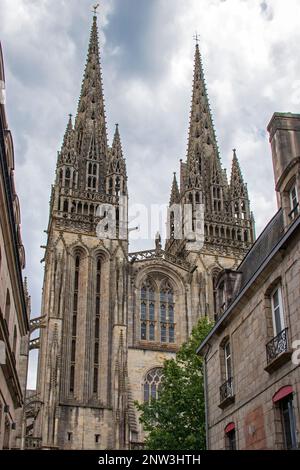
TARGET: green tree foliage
(176,420)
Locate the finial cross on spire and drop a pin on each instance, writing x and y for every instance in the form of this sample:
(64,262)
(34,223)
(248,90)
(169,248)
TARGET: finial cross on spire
(196,38)
(95,8)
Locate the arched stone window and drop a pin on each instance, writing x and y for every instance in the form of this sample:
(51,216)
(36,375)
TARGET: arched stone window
(152,384)
(157,312)
(92,176)
(147,314)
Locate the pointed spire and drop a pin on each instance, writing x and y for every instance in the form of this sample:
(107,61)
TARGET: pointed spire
(237,185)
(201,129)
(202,140)
(67,155)
(69,129)
(175,195)
(117,141)
(116,177)
(90,119)
(117,162)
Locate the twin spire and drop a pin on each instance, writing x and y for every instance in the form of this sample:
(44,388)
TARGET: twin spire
(203,166)
(202,144)
(87,140)
(90,117)
(201,130)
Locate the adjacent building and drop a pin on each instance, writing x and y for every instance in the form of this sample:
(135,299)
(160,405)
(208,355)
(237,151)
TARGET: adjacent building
(252,376)
(14,300)
(110,317)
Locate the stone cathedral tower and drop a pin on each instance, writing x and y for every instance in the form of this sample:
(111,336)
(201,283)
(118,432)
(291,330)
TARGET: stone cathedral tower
(112,318)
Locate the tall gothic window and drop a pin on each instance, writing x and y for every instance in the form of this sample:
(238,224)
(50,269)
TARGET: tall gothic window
(157,312)
(152,384)
(97,326)
(236,207)
(67,177)
(74,323)
(147,315)
(167,320)
(92,176)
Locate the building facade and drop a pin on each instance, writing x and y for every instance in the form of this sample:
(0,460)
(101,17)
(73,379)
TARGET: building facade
(14,300)
(251,356)
(112,317)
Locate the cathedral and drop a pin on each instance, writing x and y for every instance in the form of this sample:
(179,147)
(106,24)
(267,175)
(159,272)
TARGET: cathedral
(111,318)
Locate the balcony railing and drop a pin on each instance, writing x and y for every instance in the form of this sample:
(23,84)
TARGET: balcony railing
(226,392)
(277,346)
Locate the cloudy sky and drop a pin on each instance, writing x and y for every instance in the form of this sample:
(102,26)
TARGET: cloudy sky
(251,58)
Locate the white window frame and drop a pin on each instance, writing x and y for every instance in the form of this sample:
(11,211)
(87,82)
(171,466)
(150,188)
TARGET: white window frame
(227,359)
(293,204)
(281,312)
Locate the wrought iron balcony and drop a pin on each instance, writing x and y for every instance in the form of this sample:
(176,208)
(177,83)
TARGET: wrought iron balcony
(278,351)
(226,393)
(277,345)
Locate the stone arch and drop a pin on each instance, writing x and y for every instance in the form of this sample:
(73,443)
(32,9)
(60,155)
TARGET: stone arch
(164,271)
(100,252)
(78,249)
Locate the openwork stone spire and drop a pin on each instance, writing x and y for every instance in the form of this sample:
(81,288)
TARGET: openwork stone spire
(90,121)
(227,218)
(202,139)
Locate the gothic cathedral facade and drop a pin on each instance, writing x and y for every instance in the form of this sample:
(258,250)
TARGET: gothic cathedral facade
(113,317)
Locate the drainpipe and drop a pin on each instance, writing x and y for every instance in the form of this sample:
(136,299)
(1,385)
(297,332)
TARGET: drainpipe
(206,397)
